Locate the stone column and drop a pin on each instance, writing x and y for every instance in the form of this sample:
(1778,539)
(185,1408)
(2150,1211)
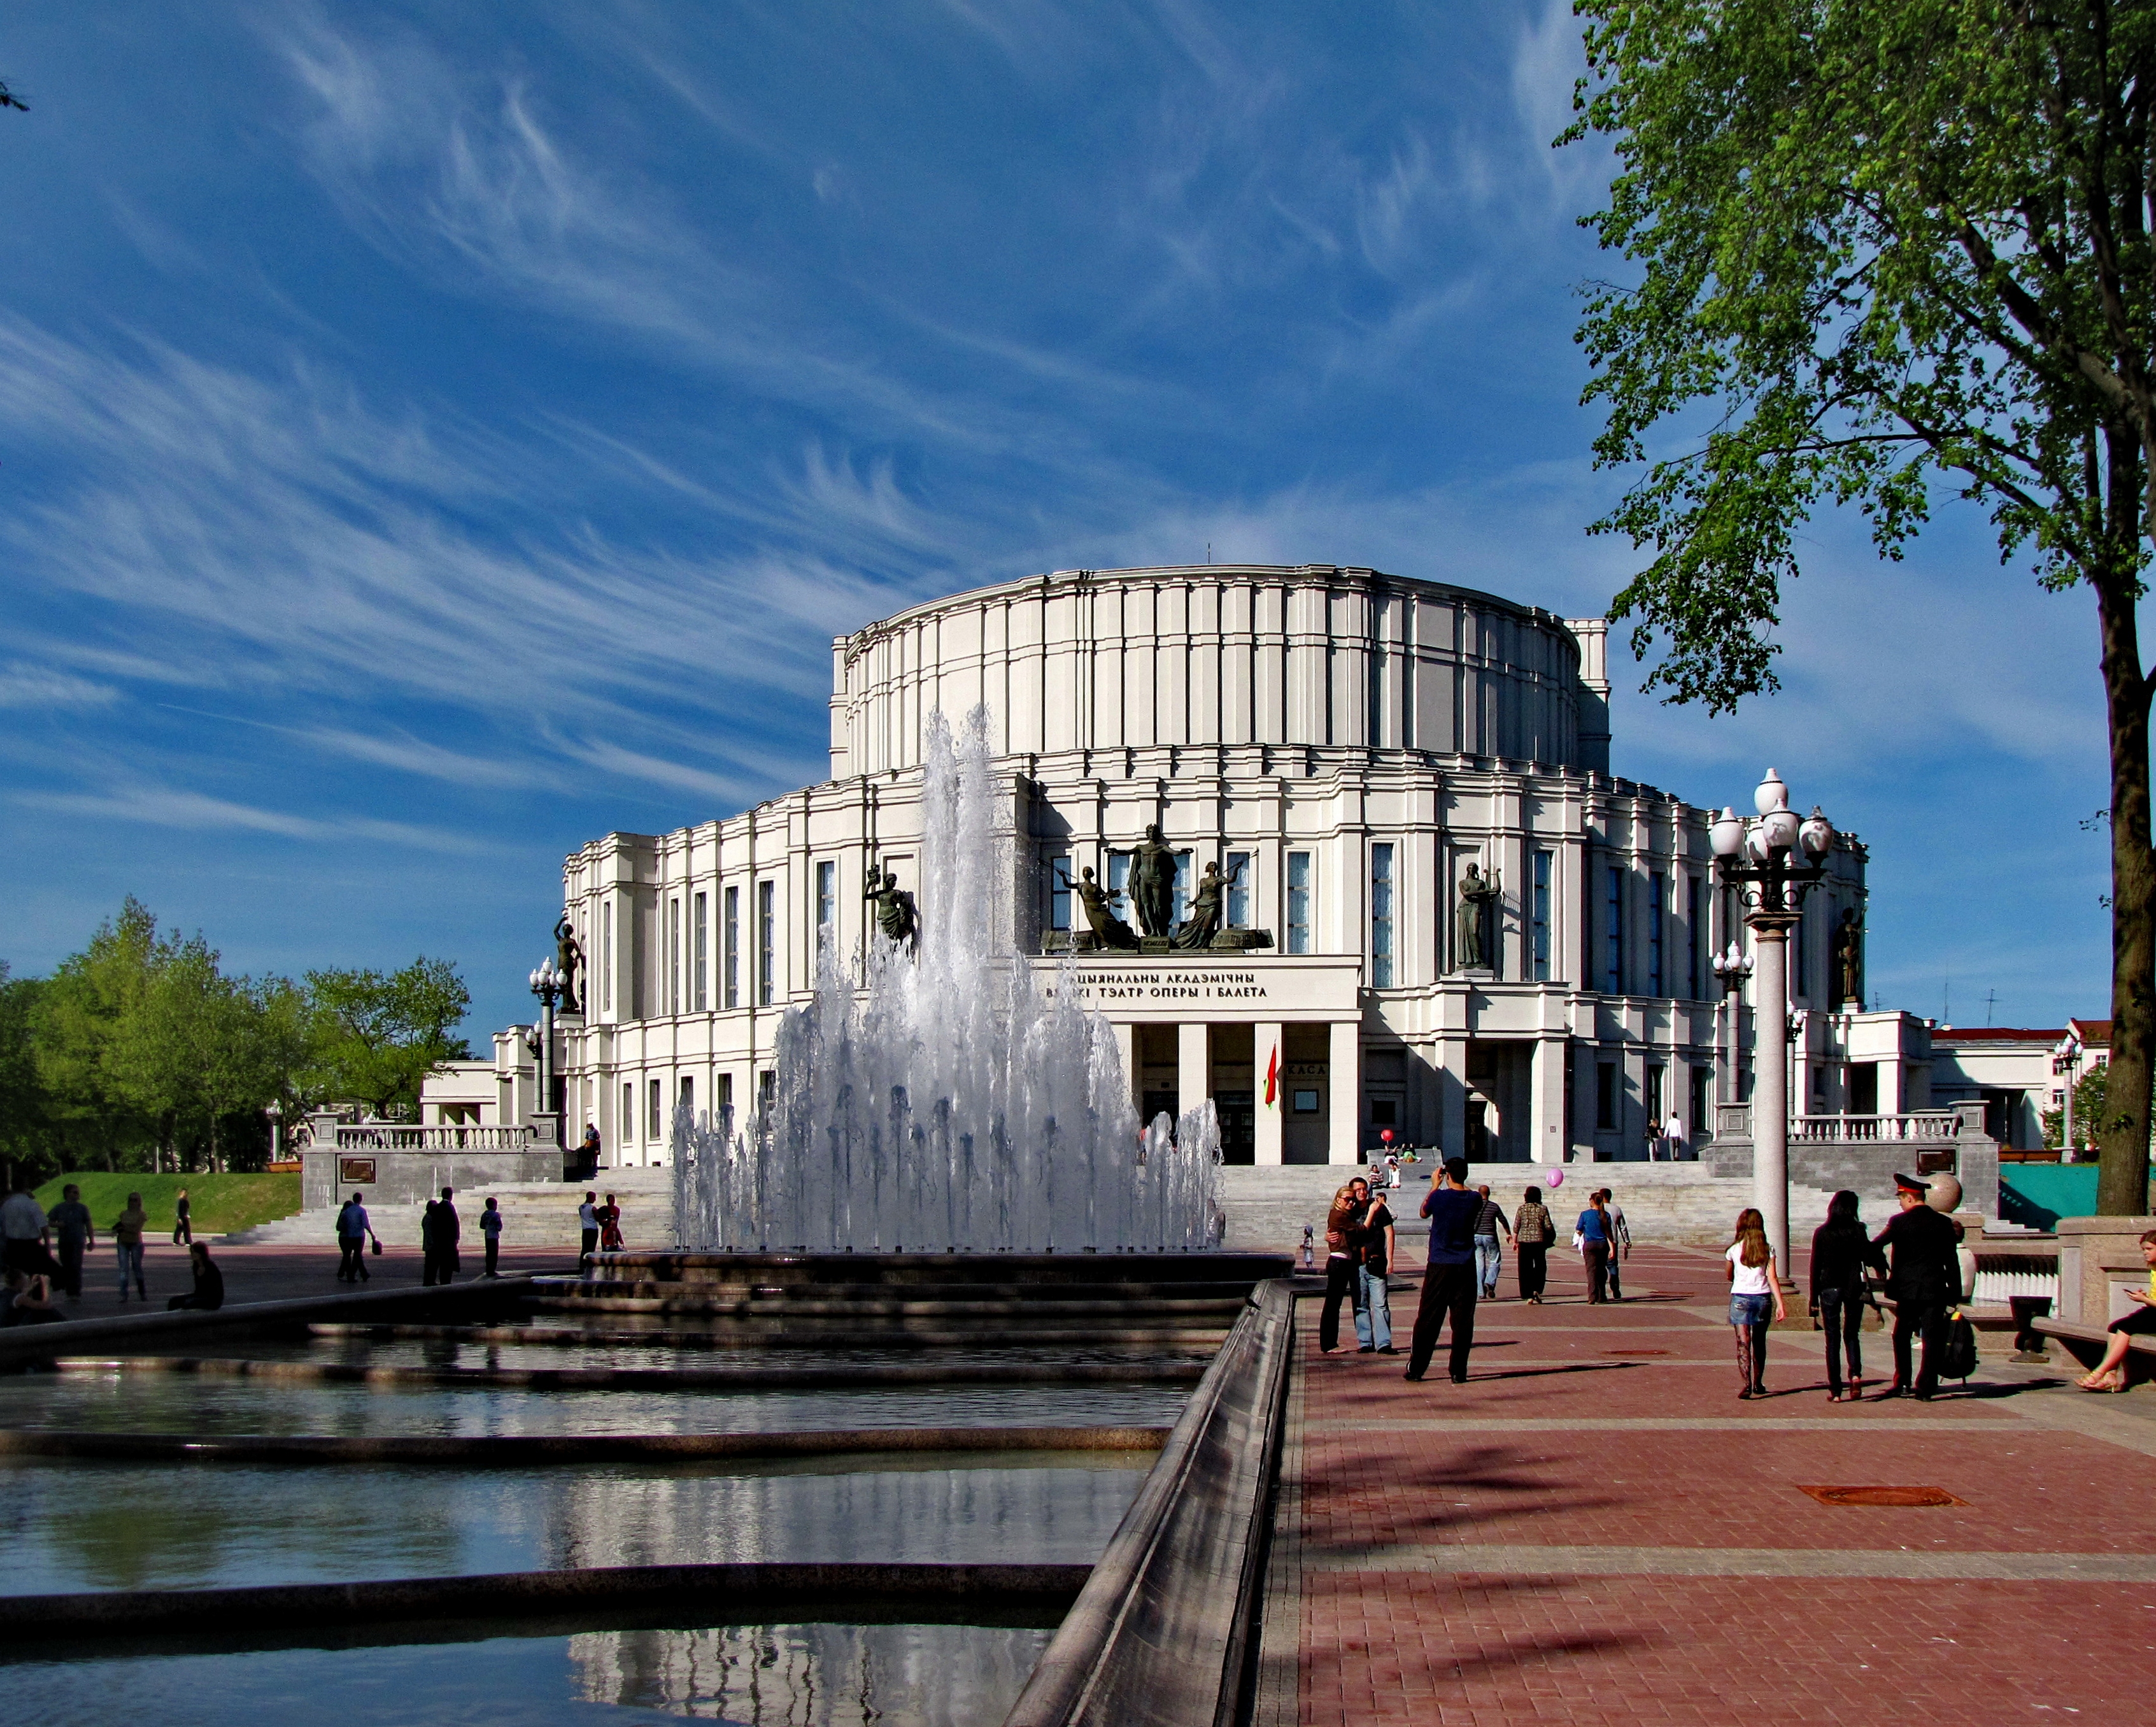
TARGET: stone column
(1452,1096)
(1546,1114)
(1194,1067)
(1271,1117)
(1343,1082)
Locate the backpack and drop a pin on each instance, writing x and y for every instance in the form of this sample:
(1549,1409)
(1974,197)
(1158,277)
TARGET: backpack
(1957,1359)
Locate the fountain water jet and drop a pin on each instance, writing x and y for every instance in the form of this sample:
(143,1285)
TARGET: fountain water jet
(949,1106)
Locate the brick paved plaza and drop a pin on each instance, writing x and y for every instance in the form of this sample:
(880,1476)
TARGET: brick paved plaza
(1595,1529)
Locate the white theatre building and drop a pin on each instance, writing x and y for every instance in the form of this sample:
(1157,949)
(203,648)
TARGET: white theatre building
(1349,742)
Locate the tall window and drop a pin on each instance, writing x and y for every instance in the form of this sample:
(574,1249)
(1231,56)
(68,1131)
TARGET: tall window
(767,941)
(1652,1091)
(688,1099)
(628,1112)
(1605,1097)
(1237,865)
(1613,919)
(1298,901)
(827,902)
(1800,984)
(1181,908)
(702,964)
(722,1100)
(1695,935)
(766,1091)
(673,954)
(1701,1076)
(1381,917)
(658,1107)
(606,956)
(730,952)
(1541,914)
(1059,893)
(1119,873)
(1658,891)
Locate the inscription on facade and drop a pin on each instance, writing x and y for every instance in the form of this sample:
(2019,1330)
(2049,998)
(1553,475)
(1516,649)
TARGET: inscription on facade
(1208,985)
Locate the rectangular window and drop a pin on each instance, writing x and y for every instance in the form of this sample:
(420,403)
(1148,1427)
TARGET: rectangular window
(628,1112)
(1119,880)
(1381,917)
(703,966)
(766,1091)
(1181,908)
(606,957)
(767,941)
(730,951)
(1238,868)
(1541,912)
(1800,983)
(1658,891)
(688,1098)
(1059,893)
(1650,1093)
(658,1104)
(1613,917)
(1298,901)
(1701,1076)
(673,954)
(722,1101)
(827,903)
(1605,1097)
(1696,937)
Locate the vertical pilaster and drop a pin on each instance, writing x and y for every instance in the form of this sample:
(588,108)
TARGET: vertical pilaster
(1344,1087)
(1194,1067)
(1272,1117)
(1546,1107)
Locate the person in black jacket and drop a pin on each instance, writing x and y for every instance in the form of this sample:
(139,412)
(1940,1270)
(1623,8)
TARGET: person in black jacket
(1922,1284)
(1841,1249)
(208,1293)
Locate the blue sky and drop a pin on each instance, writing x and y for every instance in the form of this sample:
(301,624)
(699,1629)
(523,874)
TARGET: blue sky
(433,436)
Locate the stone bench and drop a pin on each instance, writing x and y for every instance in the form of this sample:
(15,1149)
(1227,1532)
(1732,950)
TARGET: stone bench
(2086,1344)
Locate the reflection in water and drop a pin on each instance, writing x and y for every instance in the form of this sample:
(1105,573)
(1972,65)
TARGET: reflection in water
(74,1526)
(813,1675)
(172,1403)
(802,1676)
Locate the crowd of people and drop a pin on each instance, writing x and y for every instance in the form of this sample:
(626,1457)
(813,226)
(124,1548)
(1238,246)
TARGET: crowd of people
(1912,1262)
(43,1253)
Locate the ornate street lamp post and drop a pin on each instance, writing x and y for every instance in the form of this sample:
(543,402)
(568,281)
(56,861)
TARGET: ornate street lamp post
(549,985)
(2064,1059)
(1734,968)
(1755,861)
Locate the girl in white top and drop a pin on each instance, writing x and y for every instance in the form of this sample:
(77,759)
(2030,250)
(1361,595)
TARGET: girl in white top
(1755,1294)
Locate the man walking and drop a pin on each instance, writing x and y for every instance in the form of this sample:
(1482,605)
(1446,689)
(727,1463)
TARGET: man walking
(352,1231)
(72,1227)
(1447,1279)
(587,1219)
(1489,1256)
(183,1222)
(1922,1284)
(22,1232)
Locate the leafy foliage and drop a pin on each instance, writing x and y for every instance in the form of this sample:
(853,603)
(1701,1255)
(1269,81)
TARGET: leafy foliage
(1881,246)
(382,1035)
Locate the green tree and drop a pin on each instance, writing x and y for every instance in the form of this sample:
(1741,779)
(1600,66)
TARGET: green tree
(24,1130)
(2088,1106)
(382,1035)
(75,1020)
(1880,245)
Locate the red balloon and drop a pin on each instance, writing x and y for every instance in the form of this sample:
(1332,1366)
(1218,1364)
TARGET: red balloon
(1386,1135)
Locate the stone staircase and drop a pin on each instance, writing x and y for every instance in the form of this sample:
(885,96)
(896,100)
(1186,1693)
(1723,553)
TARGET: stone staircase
(534,1213)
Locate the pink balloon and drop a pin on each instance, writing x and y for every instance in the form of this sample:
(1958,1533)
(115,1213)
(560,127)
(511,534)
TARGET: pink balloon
(1555,1178)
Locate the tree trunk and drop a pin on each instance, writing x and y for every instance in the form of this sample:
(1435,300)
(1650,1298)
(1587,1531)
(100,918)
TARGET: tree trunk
(2123,1178)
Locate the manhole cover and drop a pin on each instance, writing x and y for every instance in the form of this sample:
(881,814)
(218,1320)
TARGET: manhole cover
(1882,1496)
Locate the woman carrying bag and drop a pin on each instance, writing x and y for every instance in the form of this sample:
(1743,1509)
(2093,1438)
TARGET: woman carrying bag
(1533,1230)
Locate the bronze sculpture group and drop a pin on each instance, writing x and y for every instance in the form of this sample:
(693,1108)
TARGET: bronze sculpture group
(1152,895)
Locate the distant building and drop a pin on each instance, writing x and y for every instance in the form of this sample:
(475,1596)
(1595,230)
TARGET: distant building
(1347,742)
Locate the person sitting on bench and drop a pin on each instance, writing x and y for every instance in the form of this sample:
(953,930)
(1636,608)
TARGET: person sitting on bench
(209,1281)
(2109,1374)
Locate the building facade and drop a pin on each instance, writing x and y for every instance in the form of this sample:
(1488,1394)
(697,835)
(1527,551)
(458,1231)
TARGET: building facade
(1346,744)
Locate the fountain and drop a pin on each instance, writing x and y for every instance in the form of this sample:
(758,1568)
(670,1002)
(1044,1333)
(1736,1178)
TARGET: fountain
(943,1103)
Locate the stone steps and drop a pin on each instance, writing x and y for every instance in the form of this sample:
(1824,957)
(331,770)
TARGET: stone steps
(533,1214)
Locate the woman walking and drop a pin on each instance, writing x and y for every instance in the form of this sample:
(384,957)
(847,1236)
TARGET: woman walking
(1841,1248)
(1532,1232)
(1592,1230)
(1755,1298)
(1348,1203)
(128,1238)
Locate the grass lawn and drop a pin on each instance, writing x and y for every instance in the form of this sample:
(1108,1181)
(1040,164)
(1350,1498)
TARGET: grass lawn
(219,1204)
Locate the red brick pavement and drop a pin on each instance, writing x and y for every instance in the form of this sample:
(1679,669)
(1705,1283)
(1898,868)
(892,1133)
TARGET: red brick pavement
(275,1273)
(1384,1477)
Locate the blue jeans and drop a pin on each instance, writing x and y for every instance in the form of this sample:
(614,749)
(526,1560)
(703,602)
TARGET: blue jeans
(1489,1260)
(1373,1309)
(130,1256)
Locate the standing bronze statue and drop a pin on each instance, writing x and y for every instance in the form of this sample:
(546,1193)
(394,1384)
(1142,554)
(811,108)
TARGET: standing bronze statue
(1152,882)
(568,960)
(1109,930)
(1203,922)
(896,913)
(1477,891)
(1849,961)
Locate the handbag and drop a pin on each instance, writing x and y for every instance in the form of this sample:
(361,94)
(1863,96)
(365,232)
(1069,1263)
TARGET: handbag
(377,1246)
(1957,1359)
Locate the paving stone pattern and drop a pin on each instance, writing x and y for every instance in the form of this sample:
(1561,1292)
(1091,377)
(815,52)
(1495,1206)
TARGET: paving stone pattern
(1573,1537)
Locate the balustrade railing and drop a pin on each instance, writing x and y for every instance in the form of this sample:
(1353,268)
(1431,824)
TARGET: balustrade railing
(382,1136)
(1733,1121)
